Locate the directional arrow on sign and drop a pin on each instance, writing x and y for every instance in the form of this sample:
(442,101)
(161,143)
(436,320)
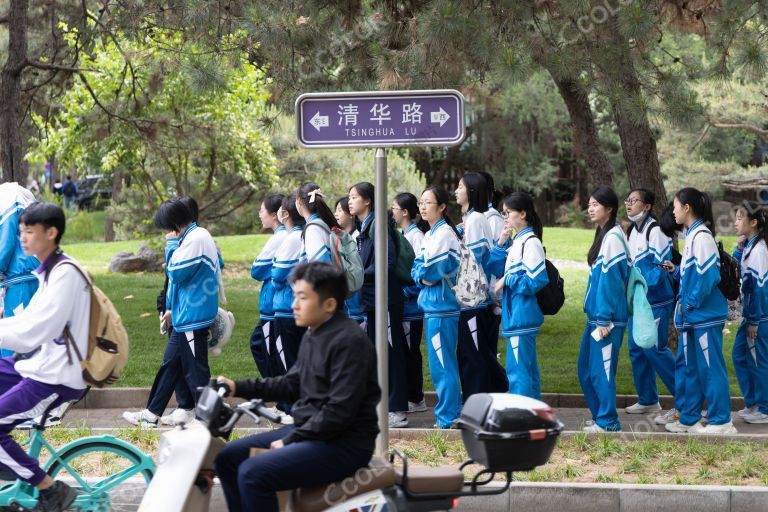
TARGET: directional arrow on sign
(441,116)
(319,121)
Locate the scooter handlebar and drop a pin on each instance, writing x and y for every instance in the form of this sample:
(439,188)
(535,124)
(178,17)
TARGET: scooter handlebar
(266,412)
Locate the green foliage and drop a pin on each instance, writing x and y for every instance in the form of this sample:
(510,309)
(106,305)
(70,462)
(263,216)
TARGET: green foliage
(173,121)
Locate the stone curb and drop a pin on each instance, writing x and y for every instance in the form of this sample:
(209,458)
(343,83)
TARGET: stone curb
(113,398)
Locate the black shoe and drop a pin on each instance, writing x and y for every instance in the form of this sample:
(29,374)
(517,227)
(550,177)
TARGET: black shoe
(56,498)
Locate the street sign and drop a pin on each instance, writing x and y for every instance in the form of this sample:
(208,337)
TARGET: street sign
(380,119)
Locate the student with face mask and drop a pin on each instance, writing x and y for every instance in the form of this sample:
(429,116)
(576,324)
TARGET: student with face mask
(649,249)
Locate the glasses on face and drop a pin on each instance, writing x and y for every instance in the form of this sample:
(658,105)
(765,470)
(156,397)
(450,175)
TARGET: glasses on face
(396,208)
(632,201)
(505,213)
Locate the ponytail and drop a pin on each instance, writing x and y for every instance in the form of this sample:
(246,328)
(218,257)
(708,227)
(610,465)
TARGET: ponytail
(312,198)
(700,204)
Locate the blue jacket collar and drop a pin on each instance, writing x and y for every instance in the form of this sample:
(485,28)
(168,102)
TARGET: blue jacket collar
(523,232)
(188,230)
(410,228)
(693,227)
(439,223)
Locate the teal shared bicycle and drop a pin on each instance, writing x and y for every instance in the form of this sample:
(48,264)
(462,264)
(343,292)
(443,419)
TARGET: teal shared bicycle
(114,460)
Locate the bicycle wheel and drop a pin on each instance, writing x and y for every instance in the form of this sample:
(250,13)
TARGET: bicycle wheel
(108,473)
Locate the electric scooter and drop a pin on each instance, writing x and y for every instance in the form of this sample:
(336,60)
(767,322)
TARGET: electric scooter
(502,433)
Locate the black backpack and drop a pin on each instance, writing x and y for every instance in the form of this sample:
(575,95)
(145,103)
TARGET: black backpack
(552,297)
(730,283)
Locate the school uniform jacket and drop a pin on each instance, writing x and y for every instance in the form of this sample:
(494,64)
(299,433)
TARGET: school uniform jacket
(193,268)
(524,273)
(496,221)
(479,239)
(261,270)
(287,256)
(700,303)
(15,266)
(411,310)
(606,297)
(438,264)
(64,300)
(317,241)
(753,264)
(648,251)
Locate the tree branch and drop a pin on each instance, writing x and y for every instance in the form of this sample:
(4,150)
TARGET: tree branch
(763,134)
(52,67)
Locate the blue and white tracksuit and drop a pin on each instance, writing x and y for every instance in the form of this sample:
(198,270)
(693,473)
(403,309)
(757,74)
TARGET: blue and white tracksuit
(317,241)
(16,278)
(700,315)
(524,273)
(193,266)
(495,220)
(287,336)
(413,324)
(435,270)
(605,304)
(261,270)
(750,357)
(479,367)
(648,250)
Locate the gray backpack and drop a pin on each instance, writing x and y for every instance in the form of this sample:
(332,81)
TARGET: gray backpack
(344,255)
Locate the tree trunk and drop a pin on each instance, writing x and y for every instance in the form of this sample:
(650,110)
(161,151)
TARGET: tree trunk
(638,143)
(12,162)
(585,139)
(109,221)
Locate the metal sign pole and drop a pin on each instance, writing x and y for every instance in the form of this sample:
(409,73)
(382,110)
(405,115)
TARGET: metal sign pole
(382,309)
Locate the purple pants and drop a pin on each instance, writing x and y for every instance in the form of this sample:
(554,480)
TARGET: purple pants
(22,399)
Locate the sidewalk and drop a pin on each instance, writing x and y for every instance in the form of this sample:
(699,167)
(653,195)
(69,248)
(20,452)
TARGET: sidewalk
(104,408)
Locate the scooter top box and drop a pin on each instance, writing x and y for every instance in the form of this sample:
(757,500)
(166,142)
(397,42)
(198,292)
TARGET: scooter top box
(506,432)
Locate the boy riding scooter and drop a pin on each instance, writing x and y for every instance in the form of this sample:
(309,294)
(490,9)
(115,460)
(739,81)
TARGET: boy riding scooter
(335,390)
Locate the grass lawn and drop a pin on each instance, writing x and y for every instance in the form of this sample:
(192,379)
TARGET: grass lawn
(578,458)
(134,296)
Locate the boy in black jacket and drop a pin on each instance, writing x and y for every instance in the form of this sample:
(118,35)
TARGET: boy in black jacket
(335,389)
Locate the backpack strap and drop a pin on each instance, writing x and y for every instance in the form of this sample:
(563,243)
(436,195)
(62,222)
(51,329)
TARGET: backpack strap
(626,248)
(652,225)
(67,334)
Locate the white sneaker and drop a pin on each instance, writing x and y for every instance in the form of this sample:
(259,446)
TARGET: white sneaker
(667,417)
(398,420)
(724,429)
(642,409)
(594,428)
(747,411)
(756,417)
(417,406)
(678,428)
(143,418)
(178,417)
(285,418)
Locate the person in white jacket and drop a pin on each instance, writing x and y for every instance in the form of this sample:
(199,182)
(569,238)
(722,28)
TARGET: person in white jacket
(46,379)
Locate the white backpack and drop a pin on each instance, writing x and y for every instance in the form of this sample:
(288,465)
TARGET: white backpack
(471,285)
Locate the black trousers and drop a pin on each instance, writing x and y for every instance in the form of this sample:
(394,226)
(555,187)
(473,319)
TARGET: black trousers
(250,483)
(413,329)
(284,349)
(398,357)
(185,364)
(479,369)
(260,346)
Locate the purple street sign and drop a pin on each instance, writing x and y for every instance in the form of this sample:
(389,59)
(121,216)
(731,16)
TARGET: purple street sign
(380,119)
